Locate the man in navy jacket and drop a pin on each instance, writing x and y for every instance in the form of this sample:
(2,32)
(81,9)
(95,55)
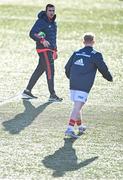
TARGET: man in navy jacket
(81,70)
(44,33)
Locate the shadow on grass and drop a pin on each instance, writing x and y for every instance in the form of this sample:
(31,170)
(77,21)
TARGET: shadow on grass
(65,159)
(22,120)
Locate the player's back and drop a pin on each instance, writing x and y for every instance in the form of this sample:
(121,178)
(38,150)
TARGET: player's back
(83,69)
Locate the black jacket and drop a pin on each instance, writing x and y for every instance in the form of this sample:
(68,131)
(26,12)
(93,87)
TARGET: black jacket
(82,67)
(43,24)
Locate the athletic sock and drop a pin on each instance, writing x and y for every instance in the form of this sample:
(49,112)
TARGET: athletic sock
(79,123)
(71,124)
(27,90)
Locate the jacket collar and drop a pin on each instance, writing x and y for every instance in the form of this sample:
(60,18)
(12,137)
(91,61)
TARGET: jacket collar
(43,15)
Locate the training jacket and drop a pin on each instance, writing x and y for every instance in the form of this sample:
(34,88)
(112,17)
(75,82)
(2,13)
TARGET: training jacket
(43,24)
(82,67)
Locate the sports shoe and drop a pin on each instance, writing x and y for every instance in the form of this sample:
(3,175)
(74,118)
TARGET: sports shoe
(71,134)
(27,94)
(82,129)
(54,98)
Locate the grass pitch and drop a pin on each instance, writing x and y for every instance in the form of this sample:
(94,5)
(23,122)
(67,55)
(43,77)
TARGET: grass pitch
(32,142)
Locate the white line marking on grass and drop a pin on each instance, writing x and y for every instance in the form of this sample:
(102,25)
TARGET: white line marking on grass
(13,98)
(26,18)
(8,31)
(17,97)
(104,22)
(16,17)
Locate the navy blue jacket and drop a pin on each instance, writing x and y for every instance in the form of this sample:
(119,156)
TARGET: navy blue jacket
(82,67)
(43,24)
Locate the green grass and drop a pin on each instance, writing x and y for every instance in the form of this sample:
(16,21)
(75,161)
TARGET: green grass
(32,133)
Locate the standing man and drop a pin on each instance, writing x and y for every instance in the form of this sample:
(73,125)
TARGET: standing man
(44,33)
(81,70)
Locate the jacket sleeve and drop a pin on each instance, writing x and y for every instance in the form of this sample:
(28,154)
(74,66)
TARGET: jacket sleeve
(102,67)
(68,66)
(37,27)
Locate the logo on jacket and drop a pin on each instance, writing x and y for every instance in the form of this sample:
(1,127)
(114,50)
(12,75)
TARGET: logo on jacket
(79,62)
(49,26)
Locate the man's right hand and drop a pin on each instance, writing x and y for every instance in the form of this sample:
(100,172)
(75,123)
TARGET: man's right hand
(46,43)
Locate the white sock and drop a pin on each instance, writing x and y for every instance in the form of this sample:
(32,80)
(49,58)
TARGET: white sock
(28,90)
(71,128)
(82,126)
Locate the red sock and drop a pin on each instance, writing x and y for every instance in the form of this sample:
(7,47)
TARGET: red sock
(72,122)
(78,122)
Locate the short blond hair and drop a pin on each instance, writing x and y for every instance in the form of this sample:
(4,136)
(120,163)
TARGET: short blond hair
(88,37)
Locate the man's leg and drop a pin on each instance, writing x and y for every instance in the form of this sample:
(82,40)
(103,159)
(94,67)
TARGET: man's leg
(50,76)
(75,114)
(35,76)
(79,98)
(73,117)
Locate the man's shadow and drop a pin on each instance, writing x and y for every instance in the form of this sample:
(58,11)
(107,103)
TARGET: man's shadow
(22,120)
(65,159)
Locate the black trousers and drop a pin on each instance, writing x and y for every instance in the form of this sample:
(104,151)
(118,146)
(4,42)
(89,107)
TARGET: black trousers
(46,64)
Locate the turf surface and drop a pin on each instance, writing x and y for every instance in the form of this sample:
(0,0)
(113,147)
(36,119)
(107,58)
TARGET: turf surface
(32,142)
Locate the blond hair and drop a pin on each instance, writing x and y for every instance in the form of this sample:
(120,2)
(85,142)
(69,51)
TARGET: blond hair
(88,37)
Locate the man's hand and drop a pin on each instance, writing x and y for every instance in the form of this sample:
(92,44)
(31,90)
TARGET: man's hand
(46,43)
(55,55)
